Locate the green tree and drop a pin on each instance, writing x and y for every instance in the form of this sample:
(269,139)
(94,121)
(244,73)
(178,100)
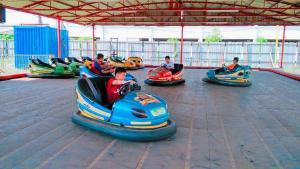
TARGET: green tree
(261,40)
(85,38)
(174,41)
(215,36)
(6,37)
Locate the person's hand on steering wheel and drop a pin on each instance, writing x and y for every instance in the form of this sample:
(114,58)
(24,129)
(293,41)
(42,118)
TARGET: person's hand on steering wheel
(164,66)
(125,88)
(131,82)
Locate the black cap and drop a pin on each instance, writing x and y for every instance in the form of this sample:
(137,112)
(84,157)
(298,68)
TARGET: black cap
(120,70)
(100,55)
(236,59)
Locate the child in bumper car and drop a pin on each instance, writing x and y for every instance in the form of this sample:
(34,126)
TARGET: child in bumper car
(230,67)
(114,84)
(100,67)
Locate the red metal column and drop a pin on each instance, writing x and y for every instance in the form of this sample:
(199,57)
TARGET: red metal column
(282,49)
(93,42)
(181,44)
(58,38)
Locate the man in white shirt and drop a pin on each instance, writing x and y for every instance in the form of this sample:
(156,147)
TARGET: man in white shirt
(168,65)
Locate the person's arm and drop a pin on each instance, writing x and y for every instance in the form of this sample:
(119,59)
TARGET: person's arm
(120,82)
(97,66)
(105,71)
(106,66)
(170,66)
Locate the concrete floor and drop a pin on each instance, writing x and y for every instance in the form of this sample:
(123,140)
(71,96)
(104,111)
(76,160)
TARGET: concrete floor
(219,127)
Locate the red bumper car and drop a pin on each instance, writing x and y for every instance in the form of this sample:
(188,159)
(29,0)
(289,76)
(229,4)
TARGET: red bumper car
(163,77)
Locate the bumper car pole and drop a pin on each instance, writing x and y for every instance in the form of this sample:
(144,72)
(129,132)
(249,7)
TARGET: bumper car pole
(181,44)
(282,49)
(58,37)
(93,42)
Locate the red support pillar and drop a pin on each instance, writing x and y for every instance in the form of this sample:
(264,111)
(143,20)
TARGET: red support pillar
(93,42)
(282,49)
(181,44)
(58,38)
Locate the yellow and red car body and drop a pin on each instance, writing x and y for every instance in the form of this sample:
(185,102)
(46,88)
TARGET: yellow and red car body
(161,76)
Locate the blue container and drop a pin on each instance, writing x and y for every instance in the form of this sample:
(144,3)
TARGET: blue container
(2,15)
(40,41)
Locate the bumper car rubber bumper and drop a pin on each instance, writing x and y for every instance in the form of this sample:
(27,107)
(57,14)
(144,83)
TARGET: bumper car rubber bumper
(226,83)
(164,83)
(126,133)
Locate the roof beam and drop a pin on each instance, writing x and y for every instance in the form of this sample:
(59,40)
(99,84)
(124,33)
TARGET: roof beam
(174,9)
(33,4)
(129,10)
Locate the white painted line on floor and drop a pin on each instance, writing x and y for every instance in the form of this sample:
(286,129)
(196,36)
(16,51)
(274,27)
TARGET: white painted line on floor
(60,151)
(266,147)
(93,163)
(232,161)
(143,158)
(189,146)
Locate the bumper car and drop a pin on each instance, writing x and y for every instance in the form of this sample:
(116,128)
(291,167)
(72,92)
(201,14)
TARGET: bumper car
(238,77)
(136,116)
(119,62)
(163,77)
(85,72)
(85,58)
(40,69)
(73,66)
(137,60)
(73,59)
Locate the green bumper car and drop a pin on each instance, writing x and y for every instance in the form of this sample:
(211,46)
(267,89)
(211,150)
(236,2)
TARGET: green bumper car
(40,69)
(70,63)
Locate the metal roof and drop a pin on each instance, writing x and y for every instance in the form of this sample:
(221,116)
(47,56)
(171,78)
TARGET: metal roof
(164,12)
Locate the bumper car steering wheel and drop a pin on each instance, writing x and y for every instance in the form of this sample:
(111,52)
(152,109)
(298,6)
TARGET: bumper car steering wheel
(164,65)
(124,89)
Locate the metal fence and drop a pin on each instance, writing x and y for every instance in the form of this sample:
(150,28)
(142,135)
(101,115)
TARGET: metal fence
(265,55)
(196,53)
(9,64)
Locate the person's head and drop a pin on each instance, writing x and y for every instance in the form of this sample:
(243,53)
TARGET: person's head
(100,57)
(120,73)
(235,60)
(167,59)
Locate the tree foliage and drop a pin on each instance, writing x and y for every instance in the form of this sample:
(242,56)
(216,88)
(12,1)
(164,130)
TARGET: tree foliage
(261,40)
(215,36)
(6,37)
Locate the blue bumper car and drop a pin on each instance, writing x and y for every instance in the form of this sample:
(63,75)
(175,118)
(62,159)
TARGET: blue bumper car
(136,116)
(238,77)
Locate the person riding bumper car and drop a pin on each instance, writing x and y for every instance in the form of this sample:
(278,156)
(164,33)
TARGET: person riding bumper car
(40,69)
(136,116)
(86,72)
(239,76)
(162,76)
